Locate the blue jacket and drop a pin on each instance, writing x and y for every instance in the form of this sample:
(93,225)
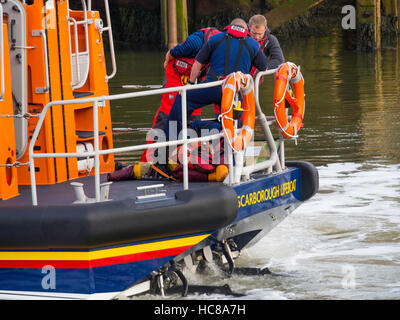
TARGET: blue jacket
(190,47)
(222,64)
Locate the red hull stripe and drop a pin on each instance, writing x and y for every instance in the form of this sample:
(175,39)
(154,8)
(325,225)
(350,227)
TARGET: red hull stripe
(79,264)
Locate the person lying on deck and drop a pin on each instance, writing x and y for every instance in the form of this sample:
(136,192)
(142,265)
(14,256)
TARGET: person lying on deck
(205,163)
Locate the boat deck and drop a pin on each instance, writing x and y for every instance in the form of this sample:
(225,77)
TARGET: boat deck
(63,193)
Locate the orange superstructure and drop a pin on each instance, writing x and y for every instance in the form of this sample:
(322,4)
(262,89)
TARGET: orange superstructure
(52,53)
(8,175)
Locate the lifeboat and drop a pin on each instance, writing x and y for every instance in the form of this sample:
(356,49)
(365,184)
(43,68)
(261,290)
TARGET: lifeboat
(66,232)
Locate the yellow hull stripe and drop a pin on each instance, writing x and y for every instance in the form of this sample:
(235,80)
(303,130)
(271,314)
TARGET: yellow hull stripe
(102,253)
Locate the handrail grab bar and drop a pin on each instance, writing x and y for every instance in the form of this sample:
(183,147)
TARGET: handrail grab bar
(111,41)
(77,67)
(80,82)
(42,33)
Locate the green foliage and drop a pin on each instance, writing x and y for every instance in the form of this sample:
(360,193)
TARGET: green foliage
(135,27)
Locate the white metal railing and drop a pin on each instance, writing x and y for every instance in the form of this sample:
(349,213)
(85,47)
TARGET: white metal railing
(278,165)
(96,153)
(100,101)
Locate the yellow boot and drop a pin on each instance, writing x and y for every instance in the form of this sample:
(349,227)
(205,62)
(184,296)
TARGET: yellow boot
(221,172)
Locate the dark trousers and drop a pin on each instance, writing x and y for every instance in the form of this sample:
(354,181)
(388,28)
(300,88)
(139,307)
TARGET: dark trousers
(196,99)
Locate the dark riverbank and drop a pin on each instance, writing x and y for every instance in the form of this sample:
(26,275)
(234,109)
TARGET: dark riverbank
(137,24)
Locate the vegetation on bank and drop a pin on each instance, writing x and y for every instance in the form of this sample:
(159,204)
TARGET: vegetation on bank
(137,24)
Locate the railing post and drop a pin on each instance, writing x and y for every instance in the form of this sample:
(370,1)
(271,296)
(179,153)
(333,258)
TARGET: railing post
(230,163)
(263,120)
(282,151)
(184,147)
(33,179)
(96,104)
(31,153)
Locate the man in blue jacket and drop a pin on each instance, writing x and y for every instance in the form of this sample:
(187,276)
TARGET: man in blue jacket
(178,63)
(226,52)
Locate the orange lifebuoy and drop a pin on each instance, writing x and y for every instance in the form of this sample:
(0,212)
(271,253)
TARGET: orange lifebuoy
(233,83)
(289,72)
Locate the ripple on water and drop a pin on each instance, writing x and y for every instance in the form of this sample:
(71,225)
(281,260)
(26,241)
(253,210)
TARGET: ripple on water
(353,223)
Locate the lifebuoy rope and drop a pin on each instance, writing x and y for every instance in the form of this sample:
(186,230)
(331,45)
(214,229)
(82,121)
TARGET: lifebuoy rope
(294,76)
(245,89)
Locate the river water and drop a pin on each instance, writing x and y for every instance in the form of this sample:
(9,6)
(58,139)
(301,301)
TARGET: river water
(344,243)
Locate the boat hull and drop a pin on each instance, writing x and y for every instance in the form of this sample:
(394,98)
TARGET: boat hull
(103,248)
(108,259)
(263,203)
(107,271)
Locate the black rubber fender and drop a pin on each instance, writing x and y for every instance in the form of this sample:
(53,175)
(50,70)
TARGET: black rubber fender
(309,178)
(110,223)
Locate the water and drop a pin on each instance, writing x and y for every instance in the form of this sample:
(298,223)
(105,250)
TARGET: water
(344,243)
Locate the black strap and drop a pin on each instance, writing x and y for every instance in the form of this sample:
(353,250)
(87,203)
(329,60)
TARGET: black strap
(227,51)
(239,55)
(242,42)
(206,36)
(214,75)
(218,44)
(210,71)
(249,50)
